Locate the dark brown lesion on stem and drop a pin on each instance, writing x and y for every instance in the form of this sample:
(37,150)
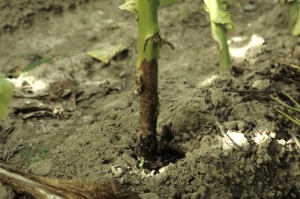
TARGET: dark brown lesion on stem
(147,84)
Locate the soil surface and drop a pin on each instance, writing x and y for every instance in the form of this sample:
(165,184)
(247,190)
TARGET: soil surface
(220,136)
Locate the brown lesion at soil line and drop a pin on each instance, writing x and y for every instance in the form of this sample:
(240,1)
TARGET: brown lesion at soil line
(147,87)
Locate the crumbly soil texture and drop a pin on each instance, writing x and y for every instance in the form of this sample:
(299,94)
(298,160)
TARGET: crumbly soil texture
(220,133)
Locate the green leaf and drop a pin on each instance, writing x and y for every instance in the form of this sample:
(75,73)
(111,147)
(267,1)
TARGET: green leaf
(165,2)
(6,93)
(224,18)
(218,13)
(129,5)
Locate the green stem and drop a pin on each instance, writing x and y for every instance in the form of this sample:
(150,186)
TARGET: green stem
(147,26)
(293,14)
(219,34)
(6,94)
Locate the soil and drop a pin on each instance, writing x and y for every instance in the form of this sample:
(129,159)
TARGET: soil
(220,136)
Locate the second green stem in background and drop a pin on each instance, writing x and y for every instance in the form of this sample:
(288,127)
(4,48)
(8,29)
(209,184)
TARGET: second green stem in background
(220,21)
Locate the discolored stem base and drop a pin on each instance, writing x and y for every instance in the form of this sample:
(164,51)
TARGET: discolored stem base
(147,87)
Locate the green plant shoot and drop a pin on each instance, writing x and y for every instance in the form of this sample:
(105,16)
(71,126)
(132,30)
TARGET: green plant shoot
(293,16)
(6,93)
(149,44)
(220,22)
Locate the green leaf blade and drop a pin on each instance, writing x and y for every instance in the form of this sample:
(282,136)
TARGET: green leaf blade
(129,5)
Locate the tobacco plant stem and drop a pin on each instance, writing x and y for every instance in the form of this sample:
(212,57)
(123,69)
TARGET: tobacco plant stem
(293,8)
(219,35)
(147,78)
